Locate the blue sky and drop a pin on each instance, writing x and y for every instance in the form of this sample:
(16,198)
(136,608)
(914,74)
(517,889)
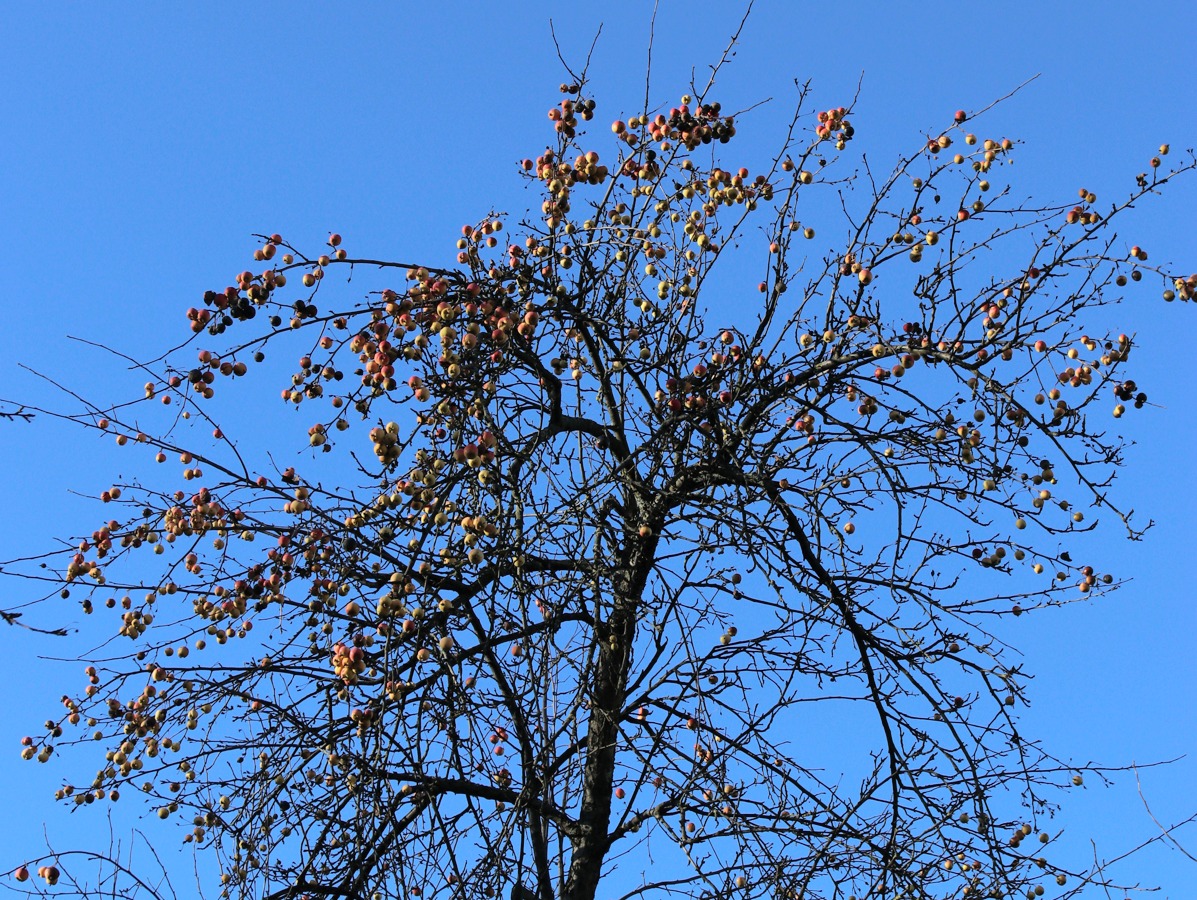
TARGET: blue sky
(143,145)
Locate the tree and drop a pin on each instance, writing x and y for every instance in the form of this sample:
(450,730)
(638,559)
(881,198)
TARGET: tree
(618,535)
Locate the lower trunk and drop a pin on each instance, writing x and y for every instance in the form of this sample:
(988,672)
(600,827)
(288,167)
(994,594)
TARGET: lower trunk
(607,699)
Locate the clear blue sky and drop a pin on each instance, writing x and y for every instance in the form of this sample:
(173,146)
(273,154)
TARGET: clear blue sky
(143,144)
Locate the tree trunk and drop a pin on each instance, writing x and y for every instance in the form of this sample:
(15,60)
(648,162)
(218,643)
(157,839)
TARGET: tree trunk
(607,699)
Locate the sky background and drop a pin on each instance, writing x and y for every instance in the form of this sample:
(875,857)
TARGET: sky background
(143,145)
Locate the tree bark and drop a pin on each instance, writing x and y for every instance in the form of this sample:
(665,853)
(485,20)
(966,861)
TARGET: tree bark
(611,672)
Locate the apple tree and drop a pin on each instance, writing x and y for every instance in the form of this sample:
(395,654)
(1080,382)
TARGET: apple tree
(596,528)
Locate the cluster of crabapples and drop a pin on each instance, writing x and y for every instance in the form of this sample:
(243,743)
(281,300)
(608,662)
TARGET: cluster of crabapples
(682,126)
(48,874)
(708,383)
(724,187)
(565,115)
(990,148)
(348,662)
(229,305)
(31,750)
(199,379)
(559,177)
(386,442)
(1080,374)
(833,126)
(474,238)
(1127,391)
(1185,288)
(458,316)
(241,301)
(476,454)
(1083,213)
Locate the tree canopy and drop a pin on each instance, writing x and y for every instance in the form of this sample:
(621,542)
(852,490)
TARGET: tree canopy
(602,526)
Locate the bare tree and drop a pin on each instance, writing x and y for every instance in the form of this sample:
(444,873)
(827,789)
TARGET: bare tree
(631,526)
